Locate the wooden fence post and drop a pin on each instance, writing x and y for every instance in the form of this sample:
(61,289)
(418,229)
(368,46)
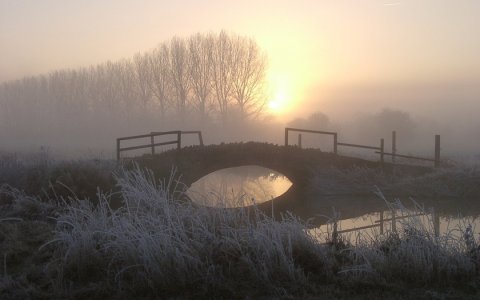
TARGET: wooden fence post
(382,150)
(437,151)
(335,143)
(286,136)
(152,140)
(118,149)
(381,222)
(394,222)
(299,140)
(436,222)
(394,145)
(335,233)
(179,140)
(200,138)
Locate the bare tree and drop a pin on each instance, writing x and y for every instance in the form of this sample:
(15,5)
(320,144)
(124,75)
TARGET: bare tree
(179,74)
(200,65)
(248,76)
(142,77)
(160,83)
(222,73)
(127,77)
(212,75)
(106,88)
(319,120)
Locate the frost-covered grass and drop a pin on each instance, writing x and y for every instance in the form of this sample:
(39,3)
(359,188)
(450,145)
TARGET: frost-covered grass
(414,254)
(157,244)
(160,245)
(41,175)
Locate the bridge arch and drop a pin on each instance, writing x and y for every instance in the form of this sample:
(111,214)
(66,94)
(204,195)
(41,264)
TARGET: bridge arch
(299,165)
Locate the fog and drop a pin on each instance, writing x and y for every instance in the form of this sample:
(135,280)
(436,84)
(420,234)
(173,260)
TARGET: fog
(422,109)
(70,80)
(217,83)
(209,82)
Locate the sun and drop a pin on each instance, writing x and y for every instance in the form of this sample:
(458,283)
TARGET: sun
(280,99)
(274,105)
(278,103)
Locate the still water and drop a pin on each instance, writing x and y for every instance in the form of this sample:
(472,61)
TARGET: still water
(239,186)
(452,227)
(248,185)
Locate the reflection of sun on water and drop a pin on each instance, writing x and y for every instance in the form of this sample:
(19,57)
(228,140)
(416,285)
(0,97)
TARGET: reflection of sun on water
(238,186)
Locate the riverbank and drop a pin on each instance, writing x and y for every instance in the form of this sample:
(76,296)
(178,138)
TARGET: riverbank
(157,246)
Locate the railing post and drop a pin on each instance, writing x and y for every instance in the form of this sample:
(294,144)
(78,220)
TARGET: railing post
(381,222)
(286,136)
(335,233)
(382,150)
(394,222)
(299,140)
(394,145)
(436,222)
(179,140)
(152,140)
(335,143)
(437,151)
(200,138)
(118,149)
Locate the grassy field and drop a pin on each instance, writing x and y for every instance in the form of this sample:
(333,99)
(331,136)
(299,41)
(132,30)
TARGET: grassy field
(94,230)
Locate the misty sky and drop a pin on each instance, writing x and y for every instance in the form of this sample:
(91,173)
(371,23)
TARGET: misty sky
(321,52)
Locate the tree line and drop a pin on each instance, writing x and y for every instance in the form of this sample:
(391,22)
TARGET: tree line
(207,78)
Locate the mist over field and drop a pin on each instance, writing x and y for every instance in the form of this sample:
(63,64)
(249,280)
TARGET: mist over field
(422,110)
(211,82)
(73,82)
(239,149)
(33,116)
(68,79)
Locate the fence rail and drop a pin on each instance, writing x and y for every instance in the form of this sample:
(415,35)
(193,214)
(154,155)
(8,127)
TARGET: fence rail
(393,220)
(198,133)
(336,143)
(334,134)
(408,156)
(379,149)
(359,146)
(178,141)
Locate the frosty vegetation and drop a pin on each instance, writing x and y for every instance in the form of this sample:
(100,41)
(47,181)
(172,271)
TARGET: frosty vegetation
(159,244)
(89,229)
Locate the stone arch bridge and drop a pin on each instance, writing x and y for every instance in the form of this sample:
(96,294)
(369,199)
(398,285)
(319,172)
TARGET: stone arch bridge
(299,165)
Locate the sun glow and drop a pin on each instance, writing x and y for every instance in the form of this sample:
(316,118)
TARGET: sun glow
(278,103)
(281,95)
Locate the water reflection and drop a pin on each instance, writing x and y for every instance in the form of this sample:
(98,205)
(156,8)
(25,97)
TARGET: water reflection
(239,186)
(369,226)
